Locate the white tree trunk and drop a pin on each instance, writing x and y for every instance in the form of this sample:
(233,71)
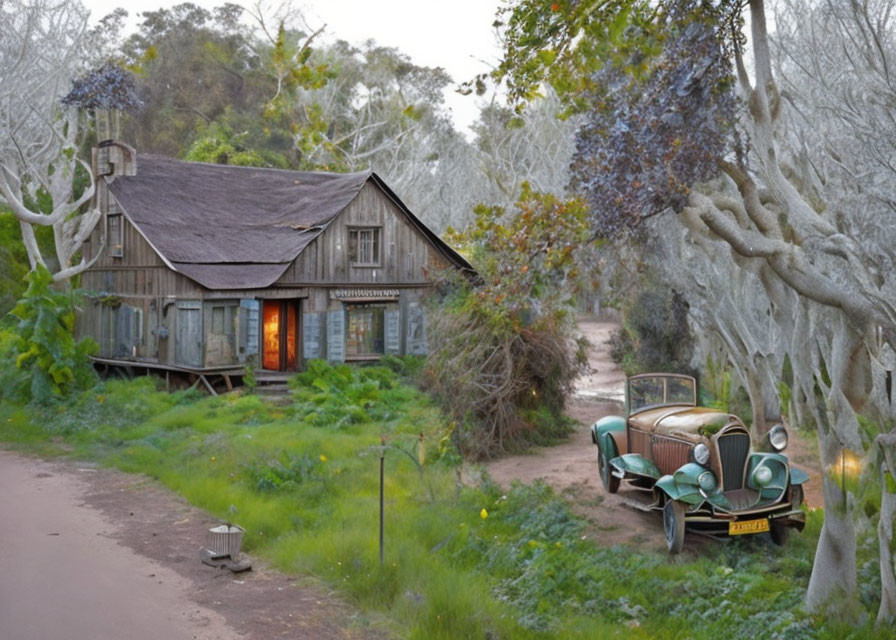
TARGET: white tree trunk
(832,585)
(886,614)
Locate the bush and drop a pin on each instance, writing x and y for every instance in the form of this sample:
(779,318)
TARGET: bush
(502,354)
(337,396)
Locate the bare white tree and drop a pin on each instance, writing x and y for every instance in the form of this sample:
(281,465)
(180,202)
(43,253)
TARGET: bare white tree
(810,215)
(535,146)
(41,45)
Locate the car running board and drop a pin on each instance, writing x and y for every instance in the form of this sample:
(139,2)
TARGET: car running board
(639,505)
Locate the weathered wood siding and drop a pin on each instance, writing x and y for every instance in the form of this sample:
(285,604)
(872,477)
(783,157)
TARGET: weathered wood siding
(129,309)
(139,308)
(405,254)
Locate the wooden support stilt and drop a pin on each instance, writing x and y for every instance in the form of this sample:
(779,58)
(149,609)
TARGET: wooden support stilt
(228,382)
(208,386)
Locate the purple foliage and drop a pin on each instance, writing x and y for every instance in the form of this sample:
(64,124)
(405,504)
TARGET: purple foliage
(649,139)
(108,87)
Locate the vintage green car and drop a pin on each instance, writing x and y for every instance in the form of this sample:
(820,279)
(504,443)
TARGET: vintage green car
(696,464)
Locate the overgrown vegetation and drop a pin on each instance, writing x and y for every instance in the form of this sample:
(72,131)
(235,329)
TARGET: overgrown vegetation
(502,350)
(41,359)
(13,263)
(461,561)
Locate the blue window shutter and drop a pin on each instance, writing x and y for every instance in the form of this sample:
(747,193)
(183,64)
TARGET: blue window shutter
(393,331)
(249,335)
(416,338)
(336,336)
(311,336)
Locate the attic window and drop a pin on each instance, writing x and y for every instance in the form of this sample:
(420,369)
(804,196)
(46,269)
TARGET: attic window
(364,246)
(116,235)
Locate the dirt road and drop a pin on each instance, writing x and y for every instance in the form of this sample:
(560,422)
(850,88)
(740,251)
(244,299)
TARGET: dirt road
(92,553)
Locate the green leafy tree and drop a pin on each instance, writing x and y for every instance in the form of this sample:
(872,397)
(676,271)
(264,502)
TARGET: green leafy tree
(192,65)
(44,361)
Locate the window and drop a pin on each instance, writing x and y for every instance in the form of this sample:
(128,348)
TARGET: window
(116,235)
(364,246)
(364,330)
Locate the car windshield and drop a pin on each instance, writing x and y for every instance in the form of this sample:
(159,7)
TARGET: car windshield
(656,390)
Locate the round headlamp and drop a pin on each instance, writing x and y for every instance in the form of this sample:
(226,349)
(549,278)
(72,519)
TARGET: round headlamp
(762,476)
(777,437)
(707,482)
(701,454)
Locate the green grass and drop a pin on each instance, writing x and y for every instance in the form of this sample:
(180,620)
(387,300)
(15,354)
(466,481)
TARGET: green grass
(303,479)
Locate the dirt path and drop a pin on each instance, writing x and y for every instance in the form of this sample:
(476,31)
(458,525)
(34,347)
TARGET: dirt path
(571,467)
(93,553)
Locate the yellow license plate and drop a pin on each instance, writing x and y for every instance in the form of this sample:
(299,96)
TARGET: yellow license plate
(747,526)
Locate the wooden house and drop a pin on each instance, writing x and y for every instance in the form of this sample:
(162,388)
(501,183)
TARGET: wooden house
(203,268)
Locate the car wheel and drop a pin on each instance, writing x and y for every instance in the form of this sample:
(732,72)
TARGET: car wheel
(780,533)
(673,524)
(796,495)
(611,482)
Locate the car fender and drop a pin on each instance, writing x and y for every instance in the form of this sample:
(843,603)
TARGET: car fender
(601,434)
(798,476)
(781,474)
(635,464)
(684,491)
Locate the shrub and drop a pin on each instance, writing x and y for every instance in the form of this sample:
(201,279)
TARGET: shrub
(502,346)
(337,396)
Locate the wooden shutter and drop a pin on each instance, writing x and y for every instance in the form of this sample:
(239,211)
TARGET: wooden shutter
(188,339)
(416,338)
(248,327)
(336,336)
(124,326)
(393,331)
(311,335)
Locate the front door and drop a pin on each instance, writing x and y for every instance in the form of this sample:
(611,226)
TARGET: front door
(280,328)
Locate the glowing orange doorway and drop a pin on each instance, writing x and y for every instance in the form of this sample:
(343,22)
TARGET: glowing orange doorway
(279,328)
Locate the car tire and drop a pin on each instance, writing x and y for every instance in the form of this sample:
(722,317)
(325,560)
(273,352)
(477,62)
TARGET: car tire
(611,482)
(780,533)
(673,525)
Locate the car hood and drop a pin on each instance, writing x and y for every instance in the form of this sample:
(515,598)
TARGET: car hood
(682,421)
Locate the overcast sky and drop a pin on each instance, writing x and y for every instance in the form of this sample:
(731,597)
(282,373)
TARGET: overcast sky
(456,35)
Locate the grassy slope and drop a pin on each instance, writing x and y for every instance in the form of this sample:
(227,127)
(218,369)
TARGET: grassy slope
(303,480)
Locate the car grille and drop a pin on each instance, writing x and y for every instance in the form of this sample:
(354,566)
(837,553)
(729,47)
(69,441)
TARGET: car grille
(733,450)
(638,442)
(669,454)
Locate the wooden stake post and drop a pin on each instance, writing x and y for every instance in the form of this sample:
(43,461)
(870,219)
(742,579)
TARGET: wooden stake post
(382,465)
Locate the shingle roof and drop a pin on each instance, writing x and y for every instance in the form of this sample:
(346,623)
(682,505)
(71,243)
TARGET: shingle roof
(231,227)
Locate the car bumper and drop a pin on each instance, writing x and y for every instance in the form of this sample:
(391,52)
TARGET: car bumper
(718,522)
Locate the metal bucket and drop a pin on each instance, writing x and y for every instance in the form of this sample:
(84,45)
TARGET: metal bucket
(226,540)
